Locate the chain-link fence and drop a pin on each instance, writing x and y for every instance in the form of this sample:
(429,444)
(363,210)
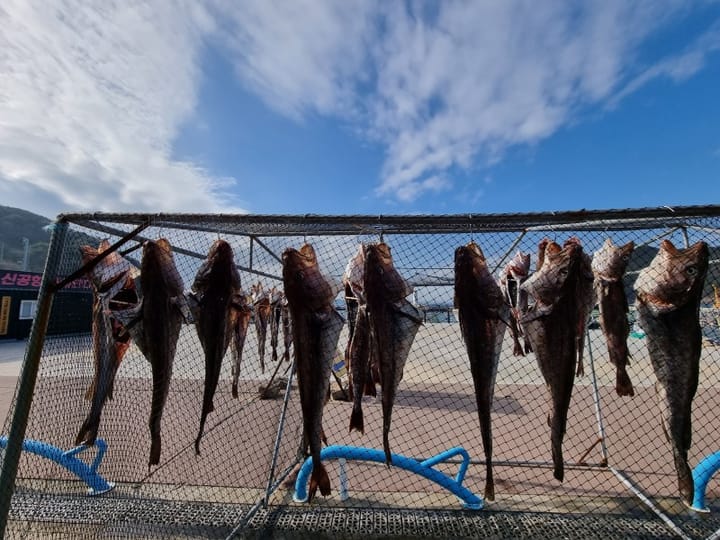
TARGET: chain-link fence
(620,475)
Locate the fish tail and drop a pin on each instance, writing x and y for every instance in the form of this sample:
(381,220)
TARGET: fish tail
(557,457)
(203,417)
(489,488)
(319,479)
(686,486)
(528,346)
(623,385)
(155,448)
(356,419)
(386,446)
(88,432)
(235,389)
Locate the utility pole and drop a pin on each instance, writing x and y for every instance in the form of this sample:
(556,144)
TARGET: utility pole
(26,246)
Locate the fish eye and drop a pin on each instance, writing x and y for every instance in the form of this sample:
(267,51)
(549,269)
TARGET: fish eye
(626,257)
(300,275)
(691,270)
(563,271)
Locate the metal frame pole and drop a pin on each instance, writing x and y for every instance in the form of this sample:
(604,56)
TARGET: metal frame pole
(28,376)
(278,437)
(596,397)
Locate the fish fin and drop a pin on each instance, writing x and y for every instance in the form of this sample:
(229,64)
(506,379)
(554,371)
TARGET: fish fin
(319,479)
(181,302)
(356,420)
(234,390)
(323,438)
(370,389)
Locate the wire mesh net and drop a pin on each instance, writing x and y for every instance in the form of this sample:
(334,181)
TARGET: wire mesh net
(618,462)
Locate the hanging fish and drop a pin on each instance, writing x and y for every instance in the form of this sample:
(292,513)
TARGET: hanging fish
(669,292)
(551,324)
(586,301)
(113,289)
(316,327)
(608,266)
(483,314)
(216,283)
(393,323)
(261,306)
(286,328)
(276,299)
(352,281)
(163,310)
(241,315)
(511,277)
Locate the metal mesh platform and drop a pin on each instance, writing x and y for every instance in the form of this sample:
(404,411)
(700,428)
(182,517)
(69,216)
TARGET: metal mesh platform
(293,523)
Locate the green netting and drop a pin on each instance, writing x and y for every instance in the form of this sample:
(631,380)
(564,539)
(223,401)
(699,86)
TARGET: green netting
(619,466)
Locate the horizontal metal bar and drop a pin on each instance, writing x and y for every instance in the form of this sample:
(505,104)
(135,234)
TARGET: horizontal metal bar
(283,225)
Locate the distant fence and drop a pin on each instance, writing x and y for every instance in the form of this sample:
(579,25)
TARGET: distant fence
(619,464)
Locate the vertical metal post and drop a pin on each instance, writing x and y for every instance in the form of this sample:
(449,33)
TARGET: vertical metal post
(596,397)
(28,376)
(278,437)
(685,237)
(252,241)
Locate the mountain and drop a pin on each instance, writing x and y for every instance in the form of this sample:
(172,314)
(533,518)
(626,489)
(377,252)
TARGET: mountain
(16,224)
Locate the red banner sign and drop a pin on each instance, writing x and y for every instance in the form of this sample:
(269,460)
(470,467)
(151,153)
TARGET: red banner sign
(10,279)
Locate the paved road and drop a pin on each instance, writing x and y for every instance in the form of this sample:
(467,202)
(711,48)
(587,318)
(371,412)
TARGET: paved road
(11,357)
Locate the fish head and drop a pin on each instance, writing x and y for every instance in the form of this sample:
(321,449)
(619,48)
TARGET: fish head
(157,259)
(519,266)
(257,293)
(542,245)
(473,277)
(111,274)
(674,276)
(381,276)
(304,283)
(549,283)
(353,275)
(610,261)
(469,258)
(220,252)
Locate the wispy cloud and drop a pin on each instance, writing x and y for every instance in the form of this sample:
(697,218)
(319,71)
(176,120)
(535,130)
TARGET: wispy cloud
(447,84)
(91,99)
(676,68)
(93,96)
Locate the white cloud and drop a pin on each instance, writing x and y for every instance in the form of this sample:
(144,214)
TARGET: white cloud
(447,84)
(91,99)
(676,68)
(93,95)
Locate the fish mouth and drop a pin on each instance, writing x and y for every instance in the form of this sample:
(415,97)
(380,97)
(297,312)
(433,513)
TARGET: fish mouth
(608,278)
(655,300)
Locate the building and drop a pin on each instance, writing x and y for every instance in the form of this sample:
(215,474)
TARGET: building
(18,302)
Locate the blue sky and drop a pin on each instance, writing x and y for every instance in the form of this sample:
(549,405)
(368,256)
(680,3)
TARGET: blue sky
(358,106)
